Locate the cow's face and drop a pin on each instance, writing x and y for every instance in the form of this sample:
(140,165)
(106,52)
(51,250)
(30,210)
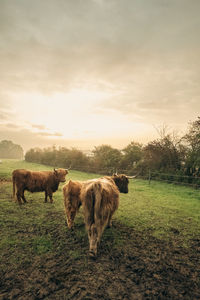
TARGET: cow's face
(121,182)
(93,241)
(60,174)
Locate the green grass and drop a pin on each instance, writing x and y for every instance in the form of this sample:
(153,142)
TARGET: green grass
(163,210)
(8,165)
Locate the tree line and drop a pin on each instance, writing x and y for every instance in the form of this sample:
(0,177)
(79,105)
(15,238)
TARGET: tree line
(10,150)
(169,154)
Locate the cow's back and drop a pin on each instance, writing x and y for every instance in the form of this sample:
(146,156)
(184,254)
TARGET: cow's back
(100,198)
(33,181)
(38,181)
(108,189)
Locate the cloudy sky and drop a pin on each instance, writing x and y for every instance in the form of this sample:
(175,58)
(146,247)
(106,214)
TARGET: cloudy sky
(88,72)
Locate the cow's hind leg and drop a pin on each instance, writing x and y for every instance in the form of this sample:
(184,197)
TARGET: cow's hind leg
(70,218)
(19,198)
(23,197)
(110,220)
(14,193)
(93,241)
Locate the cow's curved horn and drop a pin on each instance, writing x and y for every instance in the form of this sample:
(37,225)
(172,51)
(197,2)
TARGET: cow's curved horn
(131,177)
(69,167)
(54,169)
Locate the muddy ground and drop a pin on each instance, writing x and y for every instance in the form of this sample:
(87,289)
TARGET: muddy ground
(138,267)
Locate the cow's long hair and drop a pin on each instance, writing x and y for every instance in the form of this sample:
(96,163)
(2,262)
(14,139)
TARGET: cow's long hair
(72,201)
(100,199)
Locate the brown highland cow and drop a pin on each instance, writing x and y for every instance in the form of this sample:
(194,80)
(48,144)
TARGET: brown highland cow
(36,181)
(100,199)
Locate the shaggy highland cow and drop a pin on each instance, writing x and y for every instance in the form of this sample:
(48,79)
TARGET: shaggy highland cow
(37,181)
(100,199)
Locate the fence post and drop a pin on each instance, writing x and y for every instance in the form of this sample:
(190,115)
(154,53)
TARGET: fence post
(149,176)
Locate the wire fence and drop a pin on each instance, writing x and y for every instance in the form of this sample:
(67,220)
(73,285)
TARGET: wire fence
(178,179)
(193,181)
(149,175)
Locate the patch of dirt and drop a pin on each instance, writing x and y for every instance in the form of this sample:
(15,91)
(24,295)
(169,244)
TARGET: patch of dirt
(5,180)
(140,267)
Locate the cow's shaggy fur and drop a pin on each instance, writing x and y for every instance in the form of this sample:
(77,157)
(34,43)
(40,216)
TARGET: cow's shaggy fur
(72,200)
(36,181)
(100,199)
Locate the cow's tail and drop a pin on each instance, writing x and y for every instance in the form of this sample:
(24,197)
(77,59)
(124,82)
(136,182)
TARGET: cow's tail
(92,203)
(97,190)
(14,185)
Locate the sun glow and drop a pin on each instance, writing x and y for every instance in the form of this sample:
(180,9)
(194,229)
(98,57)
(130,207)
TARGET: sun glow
(80,114)
(74,114)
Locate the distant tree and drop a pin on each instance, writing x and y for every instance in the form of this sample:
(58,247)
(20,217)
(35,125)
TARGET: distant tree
(49,156)
(132,154)
(192,139)
(10,150)
(164,154)
(106,158)
(61,157)
(34,155)
(77,159)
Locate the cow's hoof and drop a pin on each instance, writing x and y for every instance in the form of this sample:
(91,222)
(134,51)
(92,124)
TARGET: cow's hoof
(71,227)
(92,255)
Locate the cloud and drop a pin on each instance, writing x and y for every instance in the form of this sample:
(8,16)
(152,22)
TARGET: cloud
(41,127)
(157,95)
(27,139)
(145,54)
(11,125)
(49,134)
(3,115)
(111,41)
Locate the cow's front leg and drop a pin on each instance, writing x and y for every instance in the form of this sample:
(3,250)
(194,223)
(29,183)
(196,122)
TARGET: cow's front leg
(50,194)
(46,195)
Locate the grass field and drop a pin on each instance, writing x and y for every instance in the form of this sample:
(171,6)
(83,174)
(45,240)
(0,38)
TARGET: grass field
(34,240)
